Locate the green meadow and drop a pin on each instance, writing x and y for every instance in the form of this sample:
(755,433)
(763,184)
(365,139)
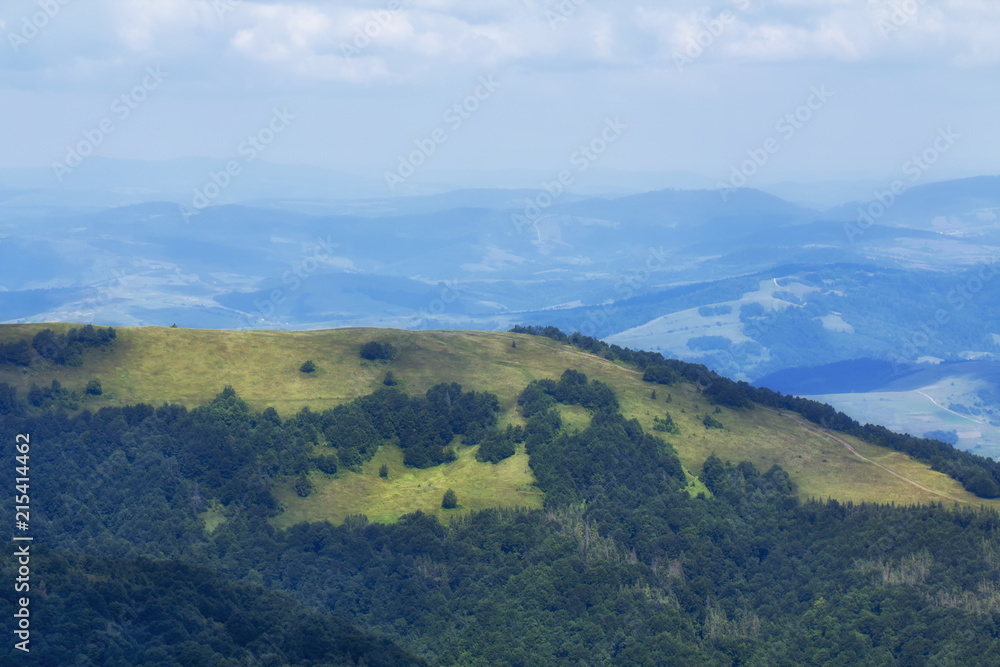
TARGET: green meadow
(188,366)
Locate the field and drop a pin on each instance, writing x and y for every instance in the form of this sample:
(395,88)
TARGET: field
(673,331)
(925,409)
(157,365)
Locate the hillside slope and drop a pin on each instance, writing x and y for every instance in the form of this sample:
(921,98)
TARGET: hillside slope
(156,365)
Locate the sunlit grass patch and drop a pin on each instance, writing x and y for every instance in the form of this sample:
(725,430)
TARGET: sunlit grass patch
(478,486)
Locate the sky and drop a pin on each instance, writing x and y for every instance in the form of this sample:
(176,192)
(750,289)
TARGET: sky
(764,90)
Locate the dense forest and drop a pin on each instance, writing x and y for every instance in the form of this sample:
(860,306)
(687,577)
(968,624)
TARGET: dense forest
(137,613)
(621,566)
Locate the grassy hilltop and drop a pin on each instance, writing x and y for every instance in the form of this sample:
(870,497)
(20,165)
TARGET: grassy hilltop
(156,365)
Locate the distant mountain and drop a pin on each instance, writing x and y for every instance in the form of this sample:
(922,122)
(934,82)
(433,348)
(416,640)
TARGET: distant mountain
(116,182)
(687,214)
(959,206)
(653,270)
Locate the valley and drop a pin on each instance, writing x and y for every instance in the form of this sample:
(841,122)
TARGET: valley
(751,287)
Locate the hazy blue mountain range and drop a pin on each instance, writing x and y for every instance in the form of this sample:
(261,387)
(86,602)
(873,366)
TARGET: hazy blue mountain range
(746,282)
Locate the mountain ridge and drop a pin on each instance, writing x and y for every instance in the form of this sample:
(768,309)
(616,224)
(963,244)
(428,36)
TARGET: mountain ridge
(155,365)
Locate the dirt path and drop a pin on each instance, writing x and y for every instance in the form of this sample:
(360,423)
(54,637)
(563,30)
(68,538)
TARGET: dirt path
(965,417)
(819,431)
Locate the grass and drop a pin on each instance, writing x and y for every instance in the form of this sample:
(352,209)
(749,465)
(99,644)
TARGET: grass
(477,485)
(574,417)
(188,366)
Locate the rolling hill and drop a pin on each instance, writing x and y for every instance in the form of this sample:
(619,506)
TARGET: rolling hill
(189,367)
(751,534)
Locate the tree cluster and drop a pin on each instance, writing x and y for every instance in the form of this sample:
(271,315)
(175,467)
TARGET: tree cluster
(666,425)
(496,445)
(424,427)
(375,350)
(68,349)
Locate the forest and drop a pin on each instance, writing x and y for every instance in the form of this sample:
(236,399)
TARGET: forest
(621,566)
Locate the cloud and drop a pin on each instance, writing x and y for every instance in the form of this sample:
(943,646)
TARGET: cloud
(368,77)
(366,41)
(146,25)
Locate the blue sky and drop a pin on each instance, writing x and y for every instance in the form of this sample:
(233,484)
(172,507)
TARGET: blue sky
(699,87)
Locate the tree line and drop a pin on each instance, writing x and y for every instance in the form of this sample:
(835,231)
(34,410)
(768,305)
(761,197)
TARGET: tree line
(979,475)
(65,349)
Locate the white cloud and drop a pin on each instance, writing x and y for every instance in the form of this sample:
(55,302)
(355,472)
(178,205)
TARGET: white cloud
(776,42)
(305,41)
(368,81)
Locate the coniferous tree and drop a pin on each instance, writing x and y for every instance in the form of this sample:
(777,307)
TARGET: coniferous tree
(303,485)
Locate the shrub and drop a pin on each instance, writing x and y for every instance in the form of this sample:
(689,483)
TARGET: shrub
(450,500)
(711,422)
(303,486)
(373,350)
(308,367)
(94,387)
(666,425)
